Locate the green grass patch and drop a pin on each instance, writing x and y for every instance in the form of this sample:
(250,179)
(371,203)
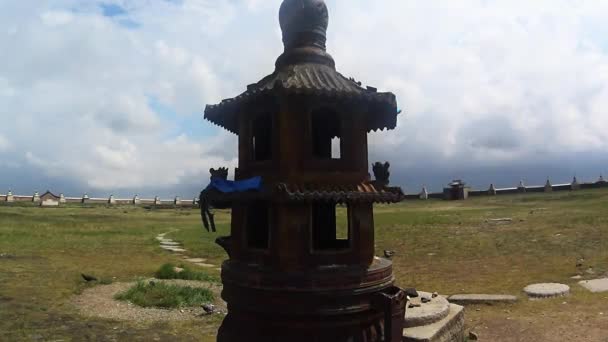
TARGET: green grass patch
(168,271)
(165,296)
(443,246)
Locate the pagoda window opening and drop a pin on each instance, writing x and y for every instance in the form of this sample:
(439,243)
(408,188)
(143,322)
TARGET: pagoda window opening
(330,231)
(258,225)
(326,134)
(336,152)
(261,137)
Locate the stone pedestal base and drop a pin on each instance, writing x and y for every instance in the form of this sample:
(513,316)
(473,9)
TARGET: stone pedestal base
(436,321)
(325,304)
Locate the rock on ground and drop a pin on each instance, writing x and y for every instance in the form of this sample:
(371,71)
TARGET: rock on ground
(596,285)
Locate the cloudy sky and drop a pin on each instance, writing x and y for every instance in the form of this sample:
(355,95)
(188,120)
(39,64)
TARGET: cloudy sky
(107,97)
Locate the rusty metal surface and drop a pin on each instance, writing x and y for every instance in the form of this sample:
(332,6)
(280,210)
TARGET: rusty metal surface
(336,277)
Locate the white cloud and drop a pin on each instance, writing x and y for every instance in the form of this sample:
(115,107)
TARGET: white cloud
(122,157)
(471,71)
(5,88)
(56,18)
(481,83)
(169,163)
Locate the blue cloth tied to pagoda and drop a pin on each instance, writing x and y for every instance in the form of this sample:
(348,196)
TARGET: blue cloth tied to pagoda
(227,186)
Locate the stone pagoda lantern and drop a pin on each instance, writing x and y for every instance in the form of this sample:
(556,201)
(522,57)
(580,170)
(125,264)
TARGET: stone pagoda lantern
(298,271)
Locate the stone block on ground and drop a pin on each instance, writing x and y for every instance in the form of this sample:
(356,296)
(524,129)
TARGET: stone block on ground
(471,299)
(173,249)
(420,311)
(431,318)
(595,285)
(448,329)
(195,260)
(169,243)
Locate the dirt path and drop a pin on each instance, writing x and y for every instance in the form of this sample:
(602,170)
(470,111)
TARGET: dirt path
(177,248)
(99,302)
(564,326)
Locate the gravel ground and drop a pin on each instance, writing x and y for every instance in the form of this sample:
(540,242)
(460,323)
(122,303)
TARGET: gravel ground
(99,302)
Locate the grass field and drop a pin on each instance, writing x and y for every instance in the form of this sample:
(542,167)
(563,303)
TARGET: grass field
(449,247)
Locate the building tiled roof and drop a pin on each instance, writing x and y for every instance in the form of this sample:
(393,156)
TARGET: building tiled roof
(311,79)
(48,193)
(366,192)
(362,192)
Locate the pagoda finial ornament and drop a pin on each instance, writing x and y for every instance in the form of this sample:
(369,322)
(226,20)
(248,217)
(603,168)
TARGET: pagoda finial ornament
(304,23)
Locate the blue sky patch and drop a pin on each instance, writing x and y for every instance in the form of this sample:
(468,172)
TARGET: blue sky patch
(190,124)
(119,14)
(112,10)
(129,23)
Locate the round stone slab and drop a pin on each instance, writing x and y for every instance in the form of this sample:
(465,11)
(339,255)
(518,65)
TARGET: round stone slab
(426,313)
(547,290)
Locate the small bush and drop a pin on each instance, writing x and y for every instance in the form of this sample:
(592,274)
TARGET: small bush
(167,271)
(166,296)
